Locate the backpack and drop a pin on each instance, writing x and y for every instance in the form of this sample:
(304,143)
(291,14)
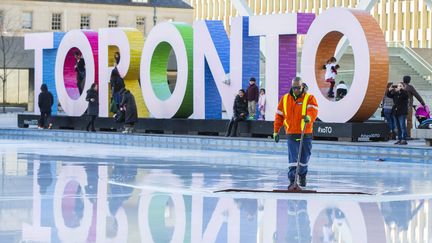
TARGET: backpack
(120,116)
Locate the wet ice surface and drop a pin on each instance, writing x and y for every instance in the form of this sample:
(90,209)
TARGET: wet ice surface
(179,169)
(54,192)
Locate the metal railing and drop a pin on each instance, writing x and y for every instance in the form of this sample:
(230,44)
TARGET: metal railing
(413,54)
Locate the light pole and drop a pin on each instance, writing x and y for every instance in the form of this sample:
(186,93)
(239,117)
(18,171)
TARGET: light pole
(154,13)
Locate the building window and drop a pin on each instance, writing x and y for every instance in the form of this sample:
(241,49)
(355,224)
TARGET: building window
(140,24)
(27,20)
(85,21)
(56,21)
(112,21)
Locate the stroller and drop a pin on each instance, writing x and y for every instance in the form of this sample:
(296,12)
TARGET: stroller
(422,113)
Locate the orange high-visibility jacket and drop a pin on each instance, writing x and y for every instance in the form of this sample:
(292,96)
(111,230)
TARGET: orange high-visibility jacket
(290,113)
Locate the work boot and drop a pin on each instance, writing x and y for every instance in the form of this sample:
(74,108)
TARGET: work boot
(398,142)
(302,180)
(291,183)
(403,142)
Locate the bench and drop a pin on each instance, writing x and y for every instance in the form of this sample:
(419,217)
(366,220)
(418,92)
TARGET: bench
(423,133)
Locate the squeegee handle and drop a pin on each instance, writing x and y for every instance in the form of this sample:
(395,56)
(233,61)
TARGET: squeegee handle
(299,155)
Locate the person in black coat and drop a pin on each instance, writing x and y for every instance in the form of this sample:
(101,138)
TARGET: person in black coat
(116,58)
(117,84)
(400,110)
(45,102)
(240,113)
(93,106)
(80,71)
(129,106)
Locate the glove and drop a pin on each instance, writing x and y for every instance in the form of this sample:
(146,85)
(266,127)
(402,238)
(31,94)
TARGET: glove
(276,137)
(307,119)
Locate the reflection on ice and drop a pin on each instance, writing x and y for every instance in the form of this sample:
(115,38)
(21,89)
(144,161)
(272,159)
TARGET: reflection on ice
(128,199)
(79,204)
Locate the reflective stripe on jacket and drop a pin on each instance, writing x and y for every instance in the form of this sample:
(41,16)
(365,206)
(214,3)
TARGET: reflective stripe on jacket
(290,113)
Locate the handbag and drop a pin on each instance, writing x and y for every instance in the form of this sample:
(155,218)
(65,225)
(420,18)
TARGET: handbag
(120,116)
(113,106)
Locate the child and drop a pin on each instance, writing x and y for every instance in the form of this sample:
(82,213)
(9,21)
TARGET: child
(341,90)
(330,76)
(252,94)
(261,104)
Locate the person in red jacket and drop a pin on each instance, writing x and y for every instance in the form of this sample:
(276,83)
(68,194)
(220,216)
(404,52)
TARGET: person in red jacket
(297,110)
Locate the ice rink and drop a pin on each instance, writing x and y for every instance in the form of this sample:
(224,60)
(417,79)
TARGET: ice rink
(78,192)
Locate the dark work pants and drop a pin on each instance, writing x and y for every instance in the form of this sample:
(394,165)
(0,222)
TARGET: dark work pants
(293,151)
(330,91)
(44,119)
(232,126)
(80,84)
(91,123)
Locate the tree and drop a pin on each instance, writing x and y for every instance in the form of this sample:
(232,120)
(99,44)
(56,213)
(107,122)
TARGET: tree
(11,53)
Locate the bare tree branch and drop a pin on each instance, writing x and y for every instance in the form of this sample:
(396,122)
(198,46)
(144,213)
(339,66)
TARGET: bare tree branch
(11,54)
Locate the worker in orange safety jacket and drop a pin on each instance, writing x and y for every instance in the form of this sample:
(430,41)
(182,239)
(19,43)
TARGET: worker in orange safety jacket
(297,110)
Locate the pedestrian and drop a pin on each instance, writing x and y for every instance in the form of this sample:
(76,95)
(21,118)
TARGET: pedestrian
(93,106)
(412,92)
(330,75)
(387,111)
(45,102)
(400,110)
(252,95)
(341,90)
(297,111)
(128,105)
(116,58)
(117,84)
(80,71)
(240,113)
(262,104)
